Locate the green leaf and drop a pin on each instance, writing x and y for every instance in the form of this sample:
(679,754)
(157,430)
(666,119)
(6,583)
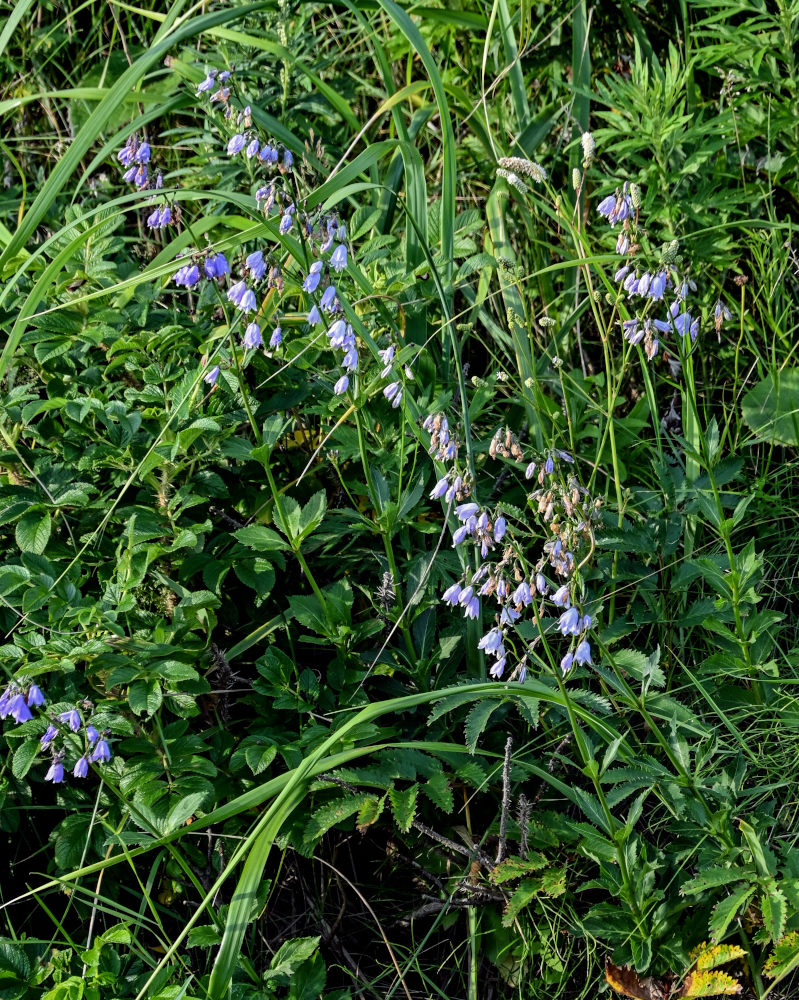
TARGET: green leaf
(712,878)
(771,408)
(512,868)
(260,538)
(204,936)
(726,911)
(181,811)
(774,908)
(477,720)
(290,955)
(522,897)
(33,532)
(312,514)
(23,758)
(404,805)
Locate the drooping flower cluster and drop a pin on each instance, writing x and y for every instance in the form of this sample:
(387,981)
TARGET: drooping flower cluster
(504,572)
(17,701)
(69,734)
(649,285)
(135,157)
(64,731)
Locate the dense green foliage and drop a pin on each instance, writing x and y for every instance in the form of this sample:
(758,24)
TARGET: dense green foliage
(320,784)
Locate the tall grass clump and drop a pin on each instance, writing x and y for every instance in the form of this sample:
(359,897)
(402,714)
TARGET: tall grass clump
(397,447)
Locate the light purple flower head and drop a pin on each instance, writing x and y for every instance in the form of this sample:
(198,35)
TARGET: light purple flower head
(71,718)
(277,337)
(35,696)
(338,260)
(81,768)
(252,336)
(211,375)
(49,735)
(18,709)
(56,773)
(236,144)
(451,595)
(101,752)
(582,654)
(314,276)
(255,264)
(342,385)
(569,621)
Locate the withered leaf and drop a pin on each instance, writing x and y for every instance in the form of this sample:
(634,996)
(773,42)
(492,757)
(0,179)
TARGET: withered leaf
(629,984)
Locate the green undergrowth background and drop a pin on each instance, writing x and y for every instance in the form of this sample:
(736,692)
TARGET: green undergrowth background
(316,789)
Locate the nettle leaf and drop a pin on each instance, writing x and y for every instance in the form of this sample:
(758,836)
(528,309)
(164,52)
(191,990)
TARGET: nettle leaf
(24,757)
(709,984)
(370,812)
(403,802)
(727,910)
(333,813)
(774,908)
(711,878)
(521,898)
(512,867)
(33,532)
(706,957)
(784,958)
(437,789)
(477,720)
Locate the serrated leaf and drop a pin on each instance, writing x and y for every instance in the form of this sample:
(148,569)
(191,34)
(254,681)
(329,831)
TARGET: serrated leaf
(709,984)
(370,812)
(711,878)
(477,720)
(182,811)
(522,897)
(403,802)
(725,911)
(23,758)
(205,936)
(332,813)
(774,908)
(260,538)
(290,955)
(784,958)
(33,532)
(513,867)
(437,789)
(704,957)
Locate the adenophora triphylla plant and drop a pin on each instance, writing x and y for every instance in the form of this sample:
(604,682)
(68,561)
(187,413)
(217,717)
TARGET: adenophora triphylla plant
(512,583)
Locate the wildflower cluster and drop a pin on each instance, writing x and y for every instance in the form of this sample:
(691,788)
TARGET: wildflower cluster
(659,285)
(66,733)
(504,573)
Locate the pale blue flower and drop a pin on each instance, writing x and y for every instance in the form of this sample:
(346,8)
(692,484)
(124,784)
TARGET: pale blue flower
(212,375)
(49,735)
(472,609)
(582,654)
(101,752)
(459,535)
(314,277)
(568,623)
(566,663)
(35,696)
(236,144)
(56,773)
(439,489)
(81,768)
(71,718)
(451,594)
(561,597)
(338,260)
(342,385)
(18,709)
(252,336)
(313,316)
(466,510)
(500,527)
(252,149)
(393,393)
(255,264)
(92,735)
(277,337)
(328,299)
